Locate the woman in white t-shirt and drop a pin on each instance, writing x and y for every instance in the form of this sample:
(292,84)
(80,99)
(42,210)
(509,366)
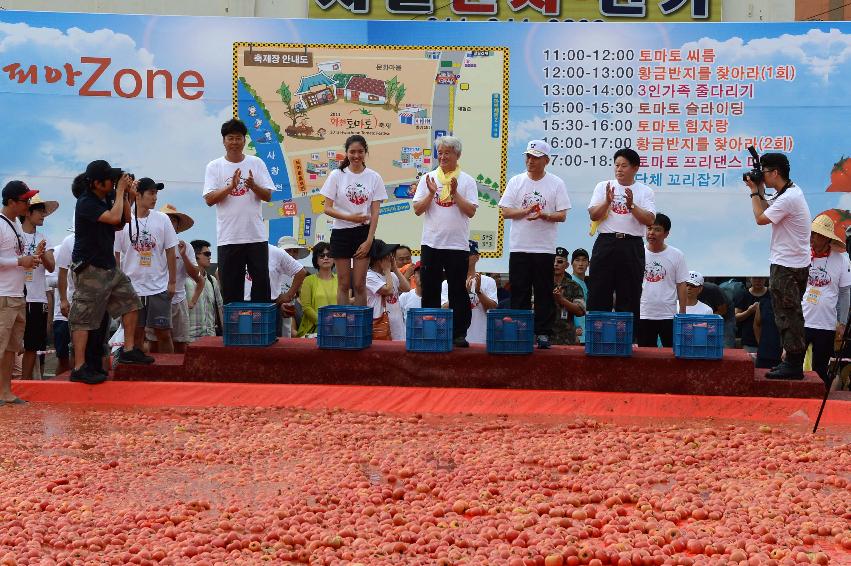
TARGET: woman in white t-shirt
(384,283)
(353,195)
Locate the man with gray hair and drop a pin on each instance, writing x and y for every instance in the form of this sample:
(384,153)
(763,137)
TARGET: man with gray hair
(448,198)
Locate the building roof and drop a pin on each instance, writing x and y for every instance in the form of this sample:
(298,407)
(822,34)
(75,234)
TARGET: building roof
(310,81)
(341,79)
(367,85)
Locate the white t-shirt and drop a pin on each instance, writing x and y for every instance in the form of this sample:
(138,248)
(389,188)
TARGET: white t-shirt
(409,300)
(662,272)
(698,308)
(535,236)
(34,278)
(62,255)
(144,261)
(374,282)
(827,275)
(182,275)
(478,331)
(239,217)
(445,227)
(282,269)
(12,277)
(620,218)
(353,193)
(790,229)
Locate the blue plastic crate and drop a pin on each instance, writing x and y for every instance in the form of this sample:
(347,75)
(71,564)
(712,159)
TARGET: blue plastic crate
(608,334)
(511,331)
(344,327)
(250,324)
(699,336)
(428,330)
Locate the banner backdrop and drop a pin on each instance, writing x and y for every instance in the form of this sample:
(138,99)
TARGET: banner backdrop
(149,94)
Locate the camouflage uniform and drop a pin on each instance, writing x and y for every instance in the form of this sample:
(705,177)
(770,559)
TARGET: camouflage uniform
(97,291)
(787,289)
(564,328)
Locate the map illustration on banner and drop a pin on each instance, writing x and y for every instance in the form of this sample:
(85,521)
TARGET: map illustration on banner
(300,103)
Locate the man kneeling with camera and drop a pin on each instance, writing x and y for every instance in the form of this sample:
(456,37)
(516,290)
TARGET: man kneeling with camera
(100,286)
(790,220)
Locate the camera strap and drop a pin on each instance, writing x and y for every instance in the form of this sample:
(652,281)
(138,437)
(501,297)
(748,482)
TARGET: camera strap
(783,190)
(20,247)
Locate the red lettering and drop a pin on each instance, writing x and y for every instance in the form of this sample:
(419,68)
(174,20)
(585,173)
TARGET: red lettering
(71,74)
(103,64)
(160,73)
(15,73)
(52,74)
(116,83)
(184,82)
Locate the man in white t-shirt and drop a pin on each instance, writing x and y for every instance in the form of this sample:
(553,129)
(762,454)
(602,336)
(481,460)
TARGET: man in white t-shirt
(665,276)
(412,299)
(789,255)
(35,333)
(826,300)
(13,266)
(481,289)
(620,209)
(236,184)
(145,250)
(447,198)
(286,274)
(534,201)
(694,286)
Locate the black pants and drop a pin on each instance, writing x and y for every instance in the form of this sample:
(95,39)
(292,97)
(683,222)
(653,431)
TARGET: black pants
(822,341)
(530,273)
(96,345)
(617,270)
(650,331)
(452,265)
(233,261)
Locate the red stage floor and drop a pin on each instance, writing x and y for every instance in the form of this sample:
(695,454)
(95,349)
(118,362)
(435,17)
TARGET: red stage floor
(299,361)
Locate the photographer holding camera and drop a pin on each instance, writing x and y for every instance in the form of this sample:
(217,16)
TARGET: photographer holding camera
(790,220)
(101,211)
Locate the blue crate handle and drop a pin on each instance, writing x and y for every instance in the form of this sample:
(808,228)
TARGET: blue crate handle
(245,319)
(429,327)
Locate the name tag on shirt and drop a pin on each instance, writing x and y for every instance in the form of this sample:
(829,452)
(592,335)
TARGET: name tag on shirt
(145,258)
(29,276)
(813,296)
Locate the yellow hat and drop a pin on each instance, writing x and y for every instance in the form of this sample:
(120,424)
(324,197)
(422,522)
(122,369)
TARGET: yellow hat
(50,206)
(184,221)
(826,225)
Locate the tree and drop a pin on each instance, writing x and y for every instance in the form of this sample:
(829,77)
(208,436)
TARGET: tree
(293,113)
(399,95)
(286,94)
(480,177)
(390,88)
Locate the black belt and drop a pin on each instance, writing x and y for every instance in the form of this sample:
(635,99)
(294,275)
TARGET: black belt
(620,236)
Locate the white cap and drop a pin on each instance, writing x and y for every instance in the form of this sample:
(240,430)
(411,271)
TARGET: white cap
(694,278)
(538,148)
(287,243)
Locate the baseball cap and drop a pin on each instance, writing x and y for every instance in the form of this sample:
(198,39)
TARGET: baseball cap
(579,252)
(538,148)
(100,170)
(695,279)
(474,247)
(381,249)
(561,252)
(18,190)
(146,184)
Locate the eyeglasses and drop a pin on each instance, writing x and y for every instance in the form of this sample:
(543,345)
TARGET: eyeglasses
(207,254)
(561,261)
(324,256)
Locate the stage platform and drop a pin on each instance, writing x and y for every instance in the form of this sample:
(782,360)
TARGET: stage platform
(299,361)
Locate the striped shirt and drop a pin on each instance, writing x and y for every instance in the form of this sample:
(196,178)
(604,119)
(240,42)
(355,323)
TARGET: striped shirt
(202,317)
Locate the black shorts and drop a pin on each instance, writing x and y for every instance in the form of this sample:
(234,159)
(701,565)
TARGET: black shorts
(35,332)
(345,241)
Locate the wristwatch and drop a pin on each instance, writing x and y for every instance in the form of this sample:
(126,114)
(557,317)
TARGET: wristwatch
(632,206)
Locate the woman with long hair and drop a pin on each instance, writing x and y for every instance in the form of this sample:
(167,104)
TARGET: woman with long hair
(353,194)
(318,290)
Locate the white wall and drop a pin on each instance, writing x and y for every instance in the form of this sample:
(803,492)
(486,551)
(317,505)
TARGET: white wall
(758,10)
(262,8)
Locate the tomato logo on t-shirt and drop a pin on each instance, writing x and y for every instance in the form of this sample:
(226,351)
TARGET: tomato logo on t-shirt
(240,189)
(819,277)
(444,203)
(474,300)
(654,272)
(357,194)
(533,198)
(619,205)
(145,242)
(391,299)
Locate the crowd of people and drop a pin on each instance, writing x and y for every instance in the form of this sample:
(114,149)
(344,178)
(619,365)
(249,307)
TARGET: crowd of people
(124,260)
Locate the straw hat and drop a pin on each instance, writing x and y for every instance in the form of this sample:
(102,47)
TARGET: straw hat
(184,221)
(287,243)
(50,206)
(830,225)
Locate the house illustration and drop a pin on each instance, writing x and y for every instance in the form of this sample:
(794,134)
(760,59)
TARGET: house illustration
(316,89)
(412,115)
(366,91)
(342,79)
(330,67)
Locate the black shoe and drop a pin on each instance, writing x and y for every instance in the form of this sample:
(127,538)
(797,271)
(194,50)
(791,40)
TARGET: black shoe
(543,342)
(85,375)
(134,356)
(460,342)
(786,370)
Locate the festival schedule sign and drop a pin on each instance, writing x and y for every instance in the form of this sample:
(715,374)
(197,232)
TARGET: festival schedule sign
(149,94)
(521,10)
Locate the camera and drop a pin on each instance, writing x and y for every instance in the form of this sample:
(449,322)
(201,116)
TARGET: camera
(756,174)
